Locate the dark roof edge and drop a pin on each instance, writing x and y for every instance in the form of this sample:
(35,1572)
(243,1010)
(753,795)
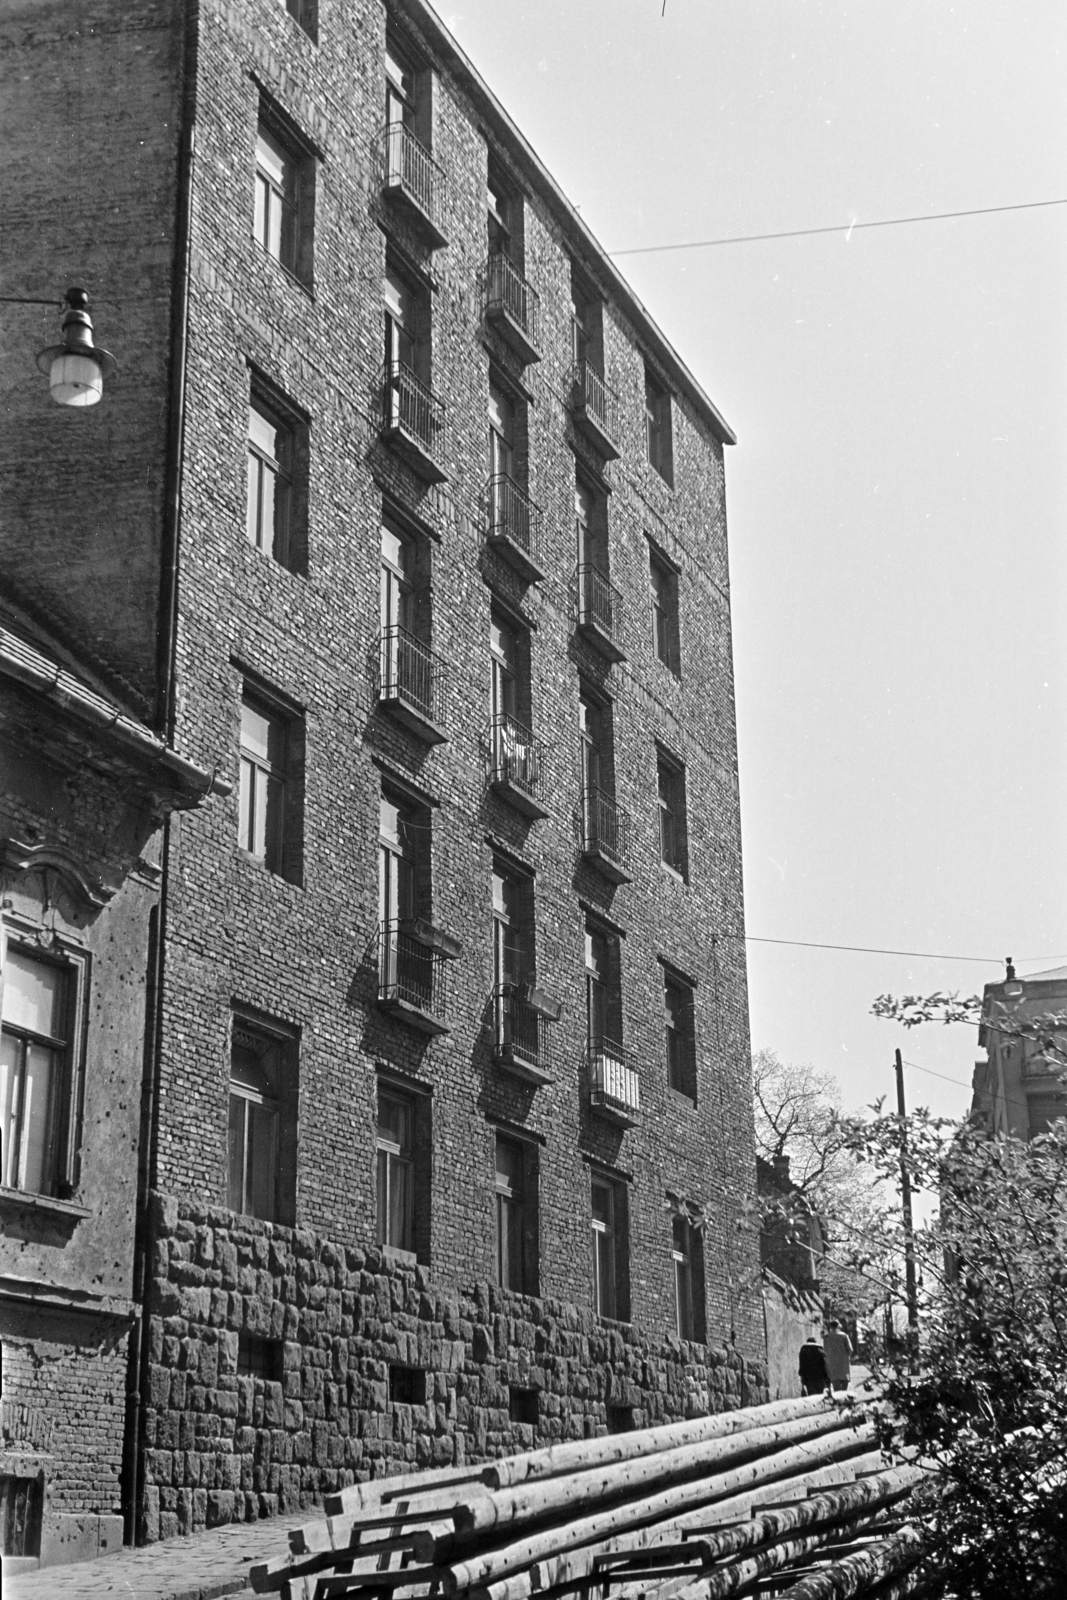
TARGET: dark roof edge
(422,15)
(21,661)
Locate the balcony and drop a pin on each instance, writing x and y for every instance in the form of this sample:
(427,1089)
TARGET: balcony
(412,975)
(513,307)
(594,407)
(408,677)
(412,419)
(412,179)
(614,1087)
(605,834)
(513,527)
(516,766)
(522,1016)
(600,612)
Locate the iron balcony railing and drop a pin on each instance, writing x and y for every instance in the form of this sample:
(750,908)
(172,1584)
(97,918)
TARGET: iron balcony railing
(513,516)
(508,294)
(408,167)
(522,1031)
(409,407)
(409,671)
(605,826)
(596,399)
(516,758)
(411,972)
(599,604)
(613,1084)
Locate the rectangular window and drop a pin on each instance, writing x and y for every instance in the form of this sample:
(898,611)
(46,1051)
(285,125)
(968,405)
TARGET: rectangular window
(587,324)
(515,1185)
(517,767)
(284,198)
(670,781)
(264,779)
(21,1505)
(665,631)
(499,207)
(262,1121)
(520,1024)
(603,994)
(409,404)
(658,443)
(681,1051)
(277,479)
(396,1170)
(687,1259)
(610,1251)
(259,1358)
(306,13)
(36,1073)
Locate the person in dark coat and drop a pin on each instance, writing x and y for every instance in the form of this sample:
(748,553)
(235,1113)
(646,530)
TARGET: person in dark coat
(813,1379)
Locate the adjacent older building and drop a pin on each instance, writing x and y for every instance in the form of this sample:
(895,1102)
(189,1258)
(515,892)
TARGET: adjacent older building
(1019,1088)
(447,1098)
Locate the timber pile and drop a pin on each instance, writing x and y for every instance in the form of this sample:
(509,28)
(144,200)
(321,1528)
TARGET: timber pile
(732,1504)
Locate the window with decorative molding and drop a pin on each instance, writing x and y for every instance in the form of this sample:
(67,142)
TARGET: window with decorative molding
(44,997)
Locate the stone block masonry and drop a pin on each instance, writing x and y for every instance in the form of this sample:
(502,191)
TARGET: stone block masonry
(224,1445)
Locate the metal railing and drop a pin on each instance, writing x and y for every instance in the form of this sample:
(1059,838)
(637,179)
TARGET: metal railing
(516,758)
(407,165)
(605,827)
(408,405)
(521,1032)
(511,515)
(408,670)
(613,1083)
(598,399)
(410,972)
(599,603)
(507,291)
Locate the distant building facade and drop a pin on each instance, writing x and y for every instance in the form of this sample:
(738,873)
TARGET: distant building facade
(1018,1088)
(446,1103)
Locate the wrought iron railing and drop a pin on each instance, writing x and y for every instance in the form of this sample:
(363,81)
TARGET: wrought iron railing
(409,671)
(410,971)
(411,407)
(599,401)
(613,1083)
(512,515)
(507,291)
(605,826)
(516,757)
(599,603)
(407,165)
(522,1032)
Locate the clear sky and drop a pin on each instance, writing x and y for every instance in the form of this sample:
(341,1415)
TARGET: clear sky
(897,498)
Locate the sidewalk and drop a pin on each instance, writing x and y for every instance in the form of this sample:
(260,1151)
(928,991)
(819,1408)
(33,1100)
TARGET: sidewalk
(203,1567)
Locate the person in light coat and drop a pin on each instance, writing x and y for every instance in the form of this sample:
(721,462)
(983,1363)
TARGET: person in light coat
(837,1348)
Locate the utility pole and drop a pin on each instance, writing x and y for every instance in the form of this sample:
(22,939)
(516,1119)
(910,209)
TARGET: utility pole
(911,1289)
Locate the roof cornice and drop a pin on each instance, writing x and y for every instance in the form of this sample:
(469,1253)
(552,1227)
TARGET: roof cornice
(587,248)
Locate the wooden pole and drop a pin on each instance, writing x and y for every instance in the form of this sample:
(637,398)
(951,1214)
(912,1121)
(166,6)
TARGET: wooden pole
(487,1566)
(911,1287)
(858,1572)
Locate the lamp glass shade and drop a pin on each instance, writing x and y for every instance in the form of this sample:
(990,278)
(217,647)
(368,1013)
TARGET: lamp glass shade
(75,380)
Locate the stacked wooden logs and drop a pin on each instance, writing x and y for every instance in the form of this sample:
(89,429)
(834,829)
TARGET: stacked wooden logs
(718,1505)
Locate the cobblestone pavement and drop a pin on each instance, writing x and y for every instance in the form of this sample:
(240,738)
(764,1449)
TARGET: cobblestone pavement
(204,1567)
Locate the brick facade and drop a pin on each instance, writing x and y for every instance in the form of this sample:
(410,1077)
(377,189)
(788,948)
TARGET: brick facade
(291,948)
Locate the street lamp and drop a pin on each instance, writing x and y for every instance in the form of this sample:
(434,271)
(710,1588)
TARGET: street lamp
(76,369)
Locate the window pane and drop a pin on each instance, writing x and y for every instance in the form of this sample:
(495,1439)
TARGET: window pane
(509,1226)
(262,432)
(394,1122)
(271,159)
(509,1167)
(383,1197)
(262,1161)
(25,1085)
(262,201)
(397,297)
(501,414)
(256,732)
(255,524)
(401,1194)
(33,995)
(604,1245)
(603,1208)
(238,1111)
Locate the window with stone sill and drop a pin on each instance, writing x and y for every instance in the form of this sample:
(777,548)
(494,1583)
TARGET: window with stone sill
(665,629)
(43,1010)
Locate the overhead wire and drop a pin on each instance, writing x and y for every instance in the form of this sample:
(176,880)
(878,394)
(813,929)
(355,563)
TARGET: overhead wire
(841,227)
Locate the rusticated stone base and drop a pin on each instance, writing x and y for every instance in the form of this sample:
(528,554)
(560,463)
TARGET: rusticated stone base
(224,1446)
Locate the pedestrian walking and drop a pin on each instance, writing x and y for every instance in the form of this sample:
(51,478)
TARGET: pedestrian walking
(837,1347)
(812,1367)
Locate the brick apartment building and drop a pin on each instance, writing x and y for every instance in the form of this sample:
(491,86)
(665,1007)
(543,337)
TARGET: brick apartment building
(445,1094)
